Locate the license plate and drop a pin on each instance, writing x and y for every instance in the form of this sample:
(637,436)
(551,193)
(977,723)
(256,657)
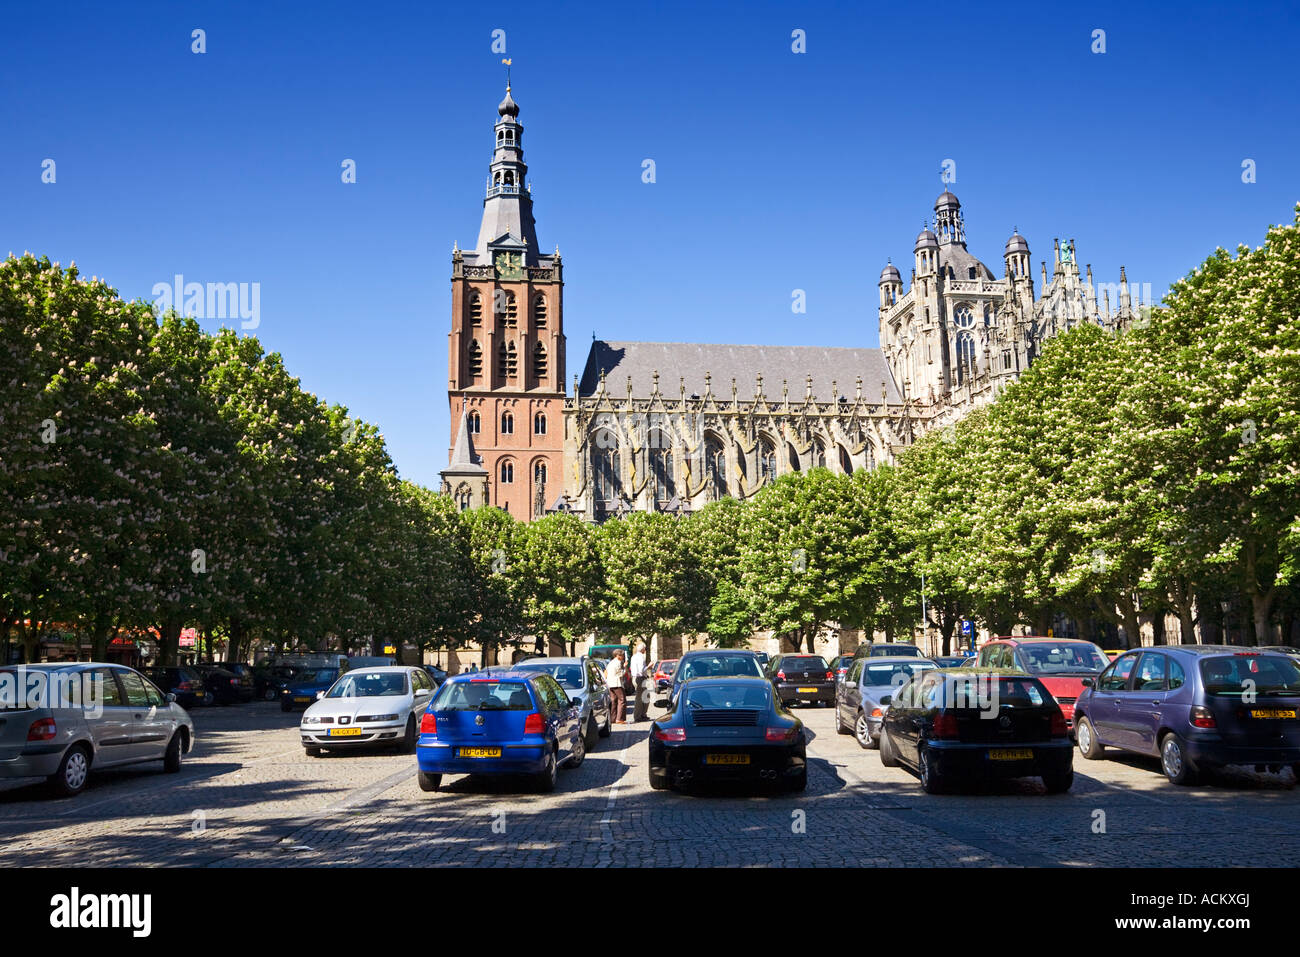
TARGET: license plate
(301,700)
(344,732)
(806,690)
(726,759)
(480,752)
(1010,754)
(1271,713)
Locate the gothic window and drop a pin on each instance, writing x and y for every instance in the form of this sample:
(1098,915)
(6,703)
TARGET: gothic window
(715,466)
(505,308)
(661,466)
(539,423)
(539,361)
(605,468)
(539,474)
(474,423)
(766,462)
(462,497)
(794,456)
(539,311)
(496,180)
(475,359)
(475,309)
(964,317)
(507,360)
(507,473)
(819,455)
(965,357)
(1006,359)
(846,463)
(972,272)
(510,178)
(507,423)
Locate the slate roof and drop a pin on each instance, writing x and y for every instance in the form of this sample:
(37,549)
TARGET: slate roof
(691,360)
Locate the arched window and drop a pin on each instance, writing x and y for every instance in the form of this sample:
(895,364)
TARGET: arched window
(507,473)
(539,311)
(507,360)
(539,361)
(715,466)
(605,468)
(539,474)
(462,497)
(510,178)
(474,423)
(766,462)
(819,455)
(504,303)
(794,456)
(661,466)
(846,463)
(507,423)
(539,423)
(475,309)
(475,359)
(965,357)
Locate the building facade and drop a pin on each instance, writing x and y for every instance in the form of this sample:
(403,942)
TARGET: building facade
(669,427)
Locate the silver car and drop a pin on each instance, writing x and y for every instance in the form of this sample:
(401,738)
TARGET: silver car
(58,721)
(863,697)
(582,678)
(368,706)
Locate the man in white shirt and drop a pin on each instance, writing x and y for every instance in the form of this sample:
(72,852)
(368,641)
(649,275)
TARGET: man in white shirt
(640,705)
(614,672)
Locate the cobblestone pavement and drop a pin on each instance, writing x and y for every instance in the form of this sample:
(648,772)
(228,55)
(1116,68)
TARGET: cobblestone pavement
(248,796)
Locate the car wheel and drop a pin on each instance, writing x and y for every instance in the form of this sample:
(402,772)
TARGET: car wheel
(931,780)
(70,779)
(546,777)
(1086,737)
(659,779)
(839,724)
(408,736)
(888,756)
(799,782)
(578,754)
(172,757)
(268,694)
(605,728)
(591,733)
(862,730)
(429,782)
(1059,782)
(1174,762)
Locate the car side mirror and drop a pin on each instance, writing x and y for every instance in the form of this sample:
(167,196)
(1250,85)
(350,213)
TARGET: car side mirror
(171,698)
(320,695)
(1088,683)
(662,702)
(576,702)
(850,684)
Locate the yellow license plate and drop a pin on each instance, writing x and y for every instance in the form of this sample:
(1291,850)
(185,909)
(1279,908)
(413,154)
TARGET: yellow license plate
(1010,754)
(726,759)
(344,732)
(806,690)
(480,752)
(1272,713)
(301,700)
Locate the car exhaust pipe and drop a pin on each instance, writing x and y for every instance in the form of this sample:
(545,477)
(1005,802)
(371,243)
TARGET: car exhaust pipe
(767,774)
(684,776)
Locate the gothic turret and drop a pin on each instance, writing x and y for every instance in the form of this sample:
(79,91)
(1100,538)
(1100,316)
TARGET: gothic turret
(508,205)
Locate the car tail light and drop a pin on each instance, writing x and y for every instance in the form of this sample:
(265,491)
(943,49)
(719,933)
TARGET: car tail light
(234,682)
(670,734)
(780,734)
(43,730)
(945,725)
(428,723)
(877,713)
(830,676)
(1060,726)
(780,676)
(1202,717)
(533,724)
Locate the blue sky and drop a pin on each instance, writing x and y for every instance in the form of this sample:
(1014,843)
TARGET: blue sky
(775,171)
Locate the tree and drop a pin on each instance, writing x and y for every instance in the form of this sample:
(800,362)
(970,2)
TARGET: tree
(560,578)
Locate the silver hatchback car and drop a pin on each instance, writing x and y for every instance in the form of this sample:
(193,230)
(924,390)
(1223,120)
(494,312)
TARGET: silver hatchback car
(58,721)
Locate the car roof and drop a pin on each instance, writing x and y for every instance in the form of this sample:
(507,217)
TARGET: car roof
(1030,639)
(976,670)
(889,659)
(559,660)
(380,668)
(505,674)
(1205,651)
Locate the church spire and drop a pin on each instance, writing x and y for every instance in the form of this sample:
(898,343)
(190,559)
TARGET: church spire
(508,204)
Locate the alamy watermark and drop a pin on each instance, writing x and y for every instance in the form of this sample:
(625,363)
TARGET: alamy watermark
(23,689)
(213,300)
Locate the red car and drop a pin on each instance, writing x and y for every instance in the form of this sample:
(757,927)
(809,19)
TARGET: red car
(663,672)
(1060,664)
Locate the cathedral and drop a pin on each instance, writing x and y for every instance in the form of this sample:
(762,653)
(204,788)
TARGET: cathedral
(670,426)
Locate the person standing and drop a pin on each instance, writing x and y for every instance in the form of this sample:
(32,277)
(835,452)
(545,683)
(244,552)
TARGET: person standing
(640,702)
(615,673)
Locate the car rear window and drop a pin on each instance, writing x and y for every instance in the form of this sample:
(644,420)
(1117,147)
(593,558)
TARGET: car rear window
(981,690)
(1260,674)
(568,675)
(1066,657)
(895,673)
(719,666)
(484,695)
(804,663)
(369,684)
(747,695)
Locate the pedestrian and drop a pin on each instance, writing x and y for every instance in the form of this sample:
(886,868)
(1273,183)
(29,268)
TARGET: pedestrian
(641,701)
(615,673)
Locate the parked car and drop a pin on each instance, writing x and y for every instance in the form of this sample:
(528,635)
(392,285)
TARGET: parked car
(962,726)
(716,663)
(888,649)
(582,678)
(762,657)
(605,652)
(184,682)
(302,690)
(368,706)
(510,722)
(951,661)
(1198,707)
(840,664)
(728,728)
(663,673)
(117,717)
(1291,650)
(863,697)
(227,687)
(436,673)
(1060,663)
(802,678)
(270,680)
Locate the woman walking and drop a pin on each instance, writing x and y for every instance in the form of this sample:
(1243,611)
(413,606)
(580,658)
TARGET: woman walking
(614,675)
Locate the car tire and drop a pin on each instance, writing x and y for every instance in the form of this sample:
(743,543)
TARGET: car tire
(840,727)
(268,695)
(1059,782)
(931,780)
(1174,762)
(799,782)
(74,770)
(862,731)
(429,782)
(578,754)
(172,756)
(409,736)
(659,780)
(605,728)
(592,733)
(1086,738)
(546,777)
(888,756)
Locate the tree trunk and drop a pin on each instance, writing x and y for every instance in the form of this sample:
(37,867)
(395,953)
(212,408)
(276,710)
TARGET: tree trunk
(169,639)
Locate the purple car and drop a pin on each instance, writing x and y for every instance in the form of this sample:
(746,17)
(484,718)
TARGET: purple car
(1197,707)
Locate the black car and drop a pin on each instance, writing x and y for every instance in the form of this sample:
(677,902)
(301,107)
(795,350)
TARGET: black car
(227,686)
(270,680)
(717,663)
(964,726)
(182,681)
(727,729)
(438,675)
(799,678)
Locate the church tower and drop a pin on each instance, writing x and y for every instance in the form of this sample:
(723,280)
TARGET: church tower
(506,345)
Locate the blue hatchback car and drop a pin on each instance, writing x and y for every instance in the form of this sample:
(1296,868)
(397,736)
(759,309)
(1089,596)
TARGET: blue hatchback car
(500,723)
(1197,707)
(300,693)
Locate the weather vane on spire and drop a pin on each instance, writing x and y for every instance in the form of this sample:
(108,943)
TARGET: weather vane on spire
(507,62)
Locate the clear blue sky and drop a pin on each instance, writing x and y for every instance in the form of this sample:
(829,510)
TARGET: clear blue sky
(775,171)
